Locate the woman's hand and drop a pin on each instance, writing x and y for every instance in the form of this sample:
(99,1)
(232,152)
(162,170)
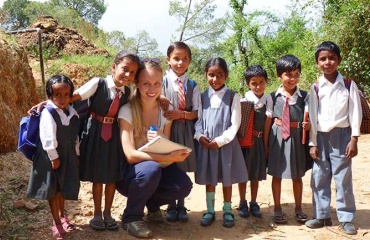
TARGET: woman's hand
(151,134)
(179,155)
(55,163)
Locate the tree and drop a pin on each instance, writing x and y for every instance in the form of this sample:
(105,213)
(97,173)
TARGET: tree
(245,44)
(140,44)
(14,15)
(348,23)
(197,22)
(90,10)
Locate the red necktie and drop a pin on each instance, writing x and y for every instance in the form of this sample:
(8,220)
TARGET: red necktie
(181,97)
(285,125)
(106,131)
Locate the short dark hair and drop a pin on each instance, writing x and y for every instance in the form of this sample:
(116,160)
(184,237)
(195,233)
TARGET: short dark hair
(255,71)
(327,46)
(59,78)
(287,63)
(178,45)
(217,61)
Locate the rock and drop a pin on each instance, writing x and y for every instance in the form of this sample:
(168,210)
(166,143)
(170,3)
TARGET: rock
(19,204)
(30,206)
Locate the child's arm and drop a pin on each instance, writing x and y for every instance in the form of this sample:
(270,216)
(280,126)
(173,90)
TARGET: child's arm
(313,108)
(229,134)
(268,123)
(355,117)
(48,131)
(266,133)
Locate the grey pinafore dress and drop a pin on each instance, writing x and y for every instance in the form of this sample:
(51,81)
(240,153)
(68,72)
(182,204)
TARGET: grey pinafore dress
(44,182)
(183,132)
(255,158)
(100,161)
(287,159)
(226,164)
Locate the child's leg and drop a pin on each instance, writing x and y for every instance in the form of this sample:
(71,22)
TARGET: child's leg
(228,217)
(242,190)
(254,207)
(297,191)
(54,207)
(254,190)
(243,210)
(300,216)
(61,204)
(227,201)
(209,217)
(67,225)
(110,223)
(97,191)
(110,189)
(210,199)
(58,231)
(276,191)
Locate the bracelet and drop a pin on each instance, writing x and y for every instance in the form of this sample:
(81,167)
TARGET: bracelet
(183,115)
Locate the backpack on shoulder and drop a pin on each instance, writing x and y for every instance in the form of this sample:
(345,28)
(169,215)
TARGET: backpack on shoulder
(29,132)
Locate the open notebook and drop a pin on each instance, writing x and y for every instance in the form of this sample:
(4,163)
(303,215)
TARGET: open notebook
(162,145)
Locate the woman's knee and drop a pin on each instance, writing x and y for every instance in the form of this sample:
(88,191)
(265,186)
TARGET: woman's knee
(148,172)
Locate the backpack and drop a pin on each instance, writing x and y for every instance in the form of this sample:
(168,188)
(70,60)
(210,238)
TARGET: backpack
(29,135)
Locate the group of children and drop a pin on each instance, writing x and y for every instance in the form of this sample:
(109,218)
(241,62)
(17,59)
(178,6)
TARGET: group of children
(208,123)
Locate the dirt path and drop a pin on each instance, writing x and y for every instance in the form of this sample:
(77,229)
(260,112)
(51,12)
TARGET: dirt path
(251,228)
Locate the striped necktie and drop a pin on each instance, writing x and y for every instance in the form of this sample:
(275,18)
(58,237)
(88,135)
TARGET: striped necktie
(285,125)
(181,97)
(106,131)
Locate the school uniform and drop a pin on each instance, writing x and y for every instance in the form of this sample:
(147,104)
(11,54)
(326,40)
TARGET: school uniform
(220,121)
(58,140)
(254,156)
(287,158)
(335,116)
(182,131)
(147,184)
(101,161)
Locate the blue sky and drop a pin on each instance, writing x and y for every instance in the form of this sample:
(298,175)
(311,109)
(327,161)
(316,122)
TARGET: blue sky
(132,16)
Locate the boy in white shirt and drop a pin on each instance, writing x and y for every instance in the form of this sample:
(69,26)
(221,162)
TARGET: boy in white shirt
(335,115)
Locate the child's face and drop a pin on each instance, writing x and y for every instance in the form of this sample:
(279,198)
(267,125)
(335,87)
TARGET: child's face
(216,77)
(124,73)
(328,62)
(257,85)
(61,95)
(290,79)
(149,84)
(179,61)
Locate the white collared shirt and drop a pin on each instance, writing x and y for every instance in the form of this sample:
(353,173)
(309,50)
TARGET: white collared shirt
(292,100)
(215,99)
(173,79)
(48,130)
(334,106)
(89,88)
(258,102)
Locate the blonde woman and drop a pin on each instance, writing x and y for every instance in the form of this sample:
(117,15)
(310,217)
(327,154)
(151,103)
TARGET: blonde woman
(146,184)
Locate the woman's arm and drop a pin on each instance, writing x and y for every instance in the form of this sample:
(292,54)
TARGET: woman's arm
(135,156)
